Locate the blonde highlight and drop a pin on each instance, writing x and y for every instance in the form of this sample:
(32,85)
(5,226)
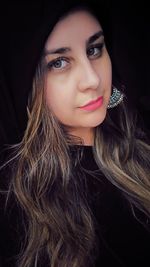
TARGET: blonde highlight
(61,225)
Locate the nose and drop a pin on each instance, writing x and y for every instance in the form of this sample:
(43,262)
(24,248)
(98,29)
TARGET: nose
(88,76)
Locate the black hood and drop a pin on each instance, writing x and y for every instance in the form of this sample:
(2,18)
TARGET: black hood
(24,29)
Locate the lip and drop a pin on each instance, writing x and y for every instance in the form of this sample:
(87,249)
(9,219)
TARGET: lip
(94,104)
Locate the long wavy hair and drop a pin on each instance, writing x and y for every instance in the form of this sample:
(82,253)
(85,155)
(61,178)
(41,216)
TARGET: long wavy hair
(60,223)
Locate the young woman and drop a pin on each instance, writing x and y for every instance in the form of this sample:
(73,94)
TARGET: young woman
(80,175)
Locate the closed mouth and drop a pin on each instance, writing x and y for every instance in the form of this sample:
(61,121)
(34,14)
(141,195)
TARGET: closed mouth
(93,105)
(92,102)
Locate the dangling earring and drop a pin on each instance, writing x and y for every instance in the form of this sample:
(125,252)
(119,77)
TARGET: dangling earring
(116,98)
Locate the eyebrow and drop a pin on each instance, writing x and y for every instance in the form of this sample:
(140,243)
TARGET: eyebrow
(64,50)
(94,37)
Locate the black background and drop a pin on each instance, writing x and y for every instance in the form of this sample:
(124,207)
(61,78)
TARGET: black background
(131,22)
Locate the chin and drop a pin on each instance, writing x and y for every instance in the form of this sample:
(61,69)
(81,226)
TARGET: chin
(97,123)
(97,119)
(93,124)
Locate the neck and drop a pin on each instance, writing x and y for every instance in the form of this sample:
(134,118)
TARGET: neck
(86,134)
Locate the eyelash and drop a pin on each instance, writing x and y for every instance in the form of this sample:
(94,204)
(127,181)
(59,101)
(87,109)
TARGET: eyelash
(99,47)
(51,64)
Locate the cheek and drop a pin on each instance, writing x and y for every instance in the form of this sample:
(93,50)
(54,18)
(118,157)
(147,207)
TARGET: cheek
(50,94)
(108,69)
(103,68)
(58,97)
(107,74)
(60,88)
(54,100)
(59,103)
(107,79)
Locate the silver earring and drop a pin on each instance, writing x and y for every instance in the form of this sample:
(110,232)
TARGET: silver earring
(115,99)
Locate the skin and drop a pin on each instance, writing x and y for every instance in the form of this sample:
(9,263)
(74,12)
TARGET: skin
(81,75)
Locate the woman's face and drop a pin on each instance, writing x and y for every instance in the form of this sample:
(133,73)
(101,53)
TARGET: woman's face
(78,79)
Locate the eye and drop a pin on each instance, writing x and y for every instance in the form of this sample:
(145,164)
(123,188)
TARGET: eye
(58,64)
(95,50)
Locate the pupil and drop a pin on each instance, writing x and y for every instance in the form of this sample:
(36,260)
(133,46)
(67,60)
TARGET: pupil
(57,64)
(90,51)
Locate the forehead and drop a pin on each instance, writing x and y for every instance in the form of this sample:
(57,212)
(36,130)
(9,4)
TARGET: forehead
(79,24)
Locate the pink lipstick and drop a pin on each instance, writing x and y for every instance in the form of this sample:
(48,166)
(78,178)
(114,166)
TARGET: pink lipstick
(93,105)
